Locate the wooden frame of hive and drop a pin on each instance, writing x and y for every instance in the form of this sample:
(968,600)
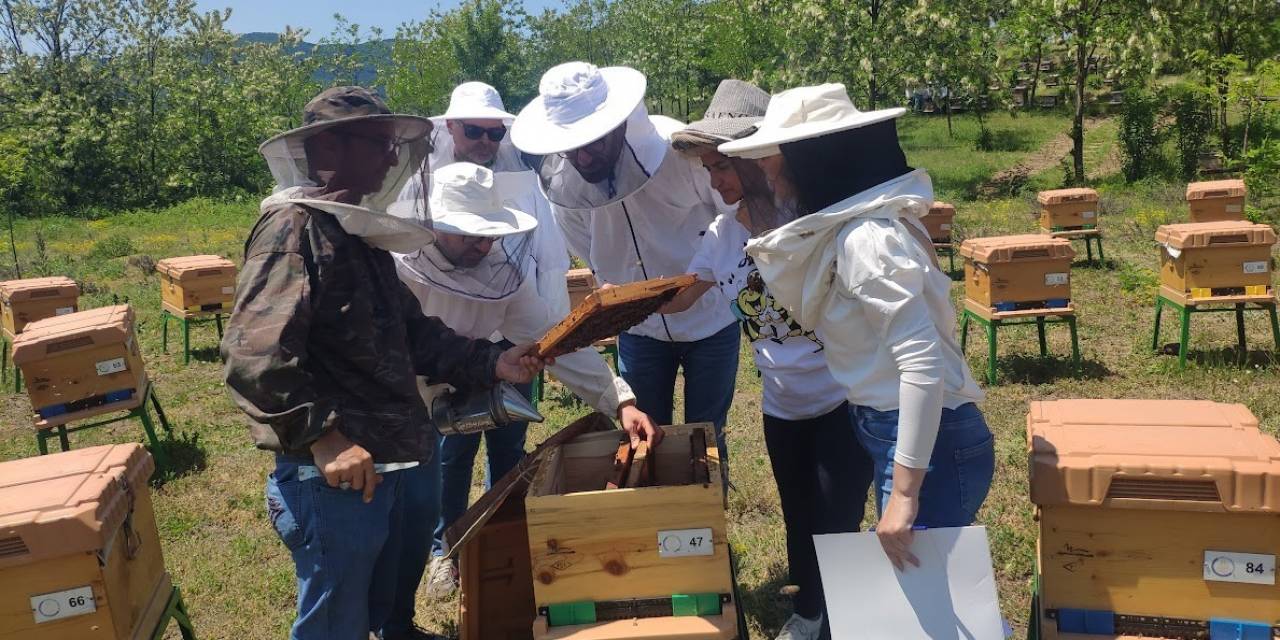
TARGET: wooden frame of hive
(1216,200)
(1013,273)
(197,284)
(939,221)
(1068,209)
(1215,259)
(25,301)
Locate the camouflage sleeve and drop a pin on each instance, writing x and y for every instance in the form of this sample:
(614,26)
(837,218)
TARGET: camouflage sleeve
(265,350)
(442,355)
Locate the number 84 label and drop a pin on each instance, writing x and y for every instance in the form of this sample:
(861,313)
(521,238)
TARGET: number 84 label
(1249,568)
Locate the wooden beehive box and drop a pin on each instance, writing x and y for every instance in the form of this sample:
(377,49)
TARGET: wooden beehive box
(25,301)
(1010,273)
(1068,209)
(938,222)
(79,553)
(81,361)
(581,283)
(1166,509)
(1212,259)
(1216,200)
(197,283)
(607,312)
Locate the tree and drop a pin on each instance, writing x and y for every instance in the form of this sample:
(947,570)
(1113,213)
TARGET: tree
(960,51)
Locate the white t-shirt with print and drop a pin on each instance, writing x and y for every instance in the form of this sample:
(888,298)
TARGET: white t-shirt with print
(797,384)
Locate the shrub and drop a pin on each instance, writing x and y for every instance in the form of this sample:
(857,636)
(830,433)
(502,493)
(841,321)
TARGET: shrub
(1139,138)
(1263,173)
(1192,123)
(115,246)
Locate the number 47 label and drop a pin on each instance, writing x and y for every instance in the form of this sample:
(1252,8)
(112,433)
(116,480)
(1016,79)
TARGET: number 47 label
(1249,568)
(678,543)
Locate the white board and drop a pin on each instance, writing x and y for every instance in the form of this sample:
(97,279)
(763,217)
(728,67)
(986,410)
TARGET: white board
(950,596)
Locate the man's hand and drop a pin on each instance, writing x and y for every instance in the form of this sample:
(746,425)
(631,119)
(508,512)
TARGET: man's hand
(895,527)
(638,425)
(519,365)
(344,462)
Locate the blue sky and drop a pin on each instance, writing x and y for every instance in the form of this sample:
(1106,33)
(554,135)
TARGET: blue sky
(317,15)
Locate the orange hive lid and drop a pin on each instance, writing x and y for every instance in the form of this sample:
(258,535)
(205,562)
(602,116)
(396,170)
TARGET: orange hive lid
(941,209)
(1216,189)
(1174,454)
(73,332)
(67,503)
(1059,196)
(1192,235)
(177,267)
(1016,248)
(26,289)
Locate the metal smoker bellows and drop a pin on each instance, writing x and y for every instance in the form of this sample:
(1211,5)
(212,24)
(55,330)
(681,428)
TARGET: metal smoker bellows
(457,413)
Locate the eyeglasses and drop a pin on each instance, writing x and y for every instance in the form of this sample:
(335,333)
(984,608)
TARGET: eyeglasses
(594,148)
(473,132)
(385,143)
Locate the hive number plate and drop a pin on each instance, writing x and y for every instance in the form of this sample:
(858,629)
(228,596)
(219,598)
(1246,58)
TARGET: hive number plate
(679,543)
(62,311)
(108,367)
(63,604)
(1056,279)
(1256,267)
(1249,568)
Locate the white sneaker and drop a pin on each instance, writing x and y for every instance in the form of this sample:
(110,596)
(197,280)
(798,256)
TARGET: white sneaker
(798,628)
(442,577)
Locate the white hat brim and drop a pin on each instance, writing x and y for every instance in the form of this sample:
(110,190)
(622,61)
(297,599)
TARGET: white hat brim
(533,131)
(475,113)
(766,141)
(498,224)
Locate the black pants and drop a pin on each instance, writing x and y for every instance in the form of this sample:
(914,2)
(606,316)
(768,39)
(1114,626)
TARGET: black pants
(823,475)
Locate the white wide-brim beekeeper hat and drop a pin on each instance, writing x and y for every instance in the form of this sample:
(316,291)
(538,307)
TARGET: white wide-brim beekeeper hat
(466,201)
(475,101)
(577,104)
(803,113)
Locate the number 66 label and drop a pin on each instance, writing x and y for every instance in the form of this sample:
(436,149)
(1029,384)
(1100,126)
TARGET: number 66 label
(1249,568)
(63,604)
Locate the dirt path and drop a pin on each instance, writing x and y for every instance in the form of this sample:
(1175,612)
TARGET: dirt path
(1048,155)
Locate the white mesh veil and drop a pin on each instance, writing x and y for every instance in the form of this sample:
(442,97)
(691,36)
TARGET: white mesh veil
(641,155)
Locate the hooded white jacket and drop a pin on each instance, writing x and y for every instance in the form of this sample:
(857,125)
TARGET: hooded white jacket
(853,273)
(653,231)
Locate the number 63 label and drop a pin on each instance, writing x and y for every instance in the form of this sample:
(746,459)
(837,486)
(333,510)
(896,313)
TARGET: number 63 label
(63,604)
(1249,568)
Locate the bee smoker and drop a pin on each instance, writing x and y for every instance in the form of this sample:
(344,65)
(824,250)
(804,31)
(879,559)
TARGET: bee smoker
(456,413)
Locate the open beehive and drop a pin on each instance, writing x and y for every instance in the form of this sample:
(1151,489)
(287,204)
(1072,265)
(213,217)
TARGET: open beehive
(607,312)
(553,552)
(25,301)
(194,284)
(1204,260)
(1012,273)
(79,552)
(580,283)
(1216,200)
(938,222)
(1158,518)
(81,362)
(1068,209)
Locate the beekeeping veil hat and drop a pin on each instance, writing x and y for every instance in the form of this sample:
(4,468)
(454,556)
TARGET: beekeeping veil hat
(371,218)
(578,104)
(465,200)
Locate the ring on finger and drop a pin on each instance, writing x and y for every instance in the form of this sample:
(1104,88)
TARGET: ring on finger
(344,485)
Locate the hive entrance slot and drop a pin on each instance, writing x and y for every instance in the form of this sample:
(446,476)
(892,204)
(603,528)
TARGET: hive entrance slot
(1235,238)
(1031,253)
(64,345)
(1143,489)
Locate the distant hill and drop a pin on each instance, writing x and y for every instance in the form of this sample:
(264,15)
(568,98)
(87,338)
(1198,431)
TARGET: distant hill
(376,53)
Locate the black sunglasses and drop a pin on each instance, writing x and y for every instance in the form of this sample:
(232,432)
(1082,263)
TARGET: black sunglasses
(473,132)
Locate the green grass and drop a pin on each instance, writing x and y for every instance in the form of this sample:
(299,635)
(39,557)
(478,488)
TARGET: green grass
(237,576)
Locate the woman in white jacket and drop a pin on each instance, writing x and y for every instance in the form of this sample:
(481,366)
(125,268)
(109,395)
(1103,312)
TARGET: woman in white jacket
(855,265)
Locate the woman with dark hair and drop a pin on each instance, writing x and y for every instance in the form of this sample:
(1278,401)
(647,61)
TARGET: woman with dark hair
(821,470)
(856,265)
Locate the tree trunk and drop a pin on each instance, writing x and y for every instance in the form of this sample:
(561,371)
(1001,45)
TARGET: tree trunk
(1077,124)
(947,107)
(1248,115)
(1223,130)
(1035,79)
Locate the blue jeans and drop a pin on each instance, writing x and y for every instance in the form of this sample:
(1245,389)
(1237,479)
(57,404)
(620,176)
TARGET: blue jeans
(960,469)
(710,371)
(504,447)
(421,513)
(345,552)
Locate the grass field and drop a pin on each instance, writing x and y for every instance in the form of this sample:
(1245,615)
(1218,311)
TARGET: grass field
(237,576)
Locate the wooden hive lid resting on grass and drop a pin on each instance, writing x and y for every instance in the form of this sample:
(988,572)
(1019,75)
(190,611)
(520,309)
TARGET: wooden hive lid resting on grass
(1195,235)
(67,503)
(73,332)
(1016,248)
(1184,455)
(29,288)
(1059,196)
(1216,189)
(185,267)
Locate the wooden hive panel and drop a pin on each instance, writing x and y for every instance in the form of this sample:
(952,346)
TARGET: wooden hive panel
(25,301)
(1211,259)
(1216,200)
(608,312)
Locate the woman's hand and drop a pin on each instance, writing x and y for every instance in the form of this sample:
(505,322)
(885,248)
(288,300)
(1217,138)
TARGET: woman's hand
(520,365)
(895,526)
(638,425)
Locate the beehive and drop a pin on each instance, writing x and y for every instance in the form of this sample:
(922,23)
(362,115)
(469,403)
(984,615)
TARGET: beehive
(1212,259)
(938,221)
(197,283)
(80,361)
(1163,509)
(1068,209)
(581,282)
(1216,200)
(79,553)
(25,301)
(1009,273)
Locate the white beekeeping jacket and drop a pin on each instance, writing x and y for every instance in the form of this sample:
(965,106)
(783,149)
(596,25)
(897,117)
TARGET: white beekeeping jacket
(647,222)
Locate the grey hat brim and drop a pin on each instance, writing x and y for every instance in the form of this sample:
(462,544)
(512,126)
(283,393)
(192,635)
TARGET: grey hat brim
(727,128)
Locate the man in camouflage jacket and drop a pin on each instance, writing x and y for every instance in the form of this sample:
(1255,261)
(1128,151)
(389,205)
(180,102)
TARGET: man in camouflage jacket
(322,352)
